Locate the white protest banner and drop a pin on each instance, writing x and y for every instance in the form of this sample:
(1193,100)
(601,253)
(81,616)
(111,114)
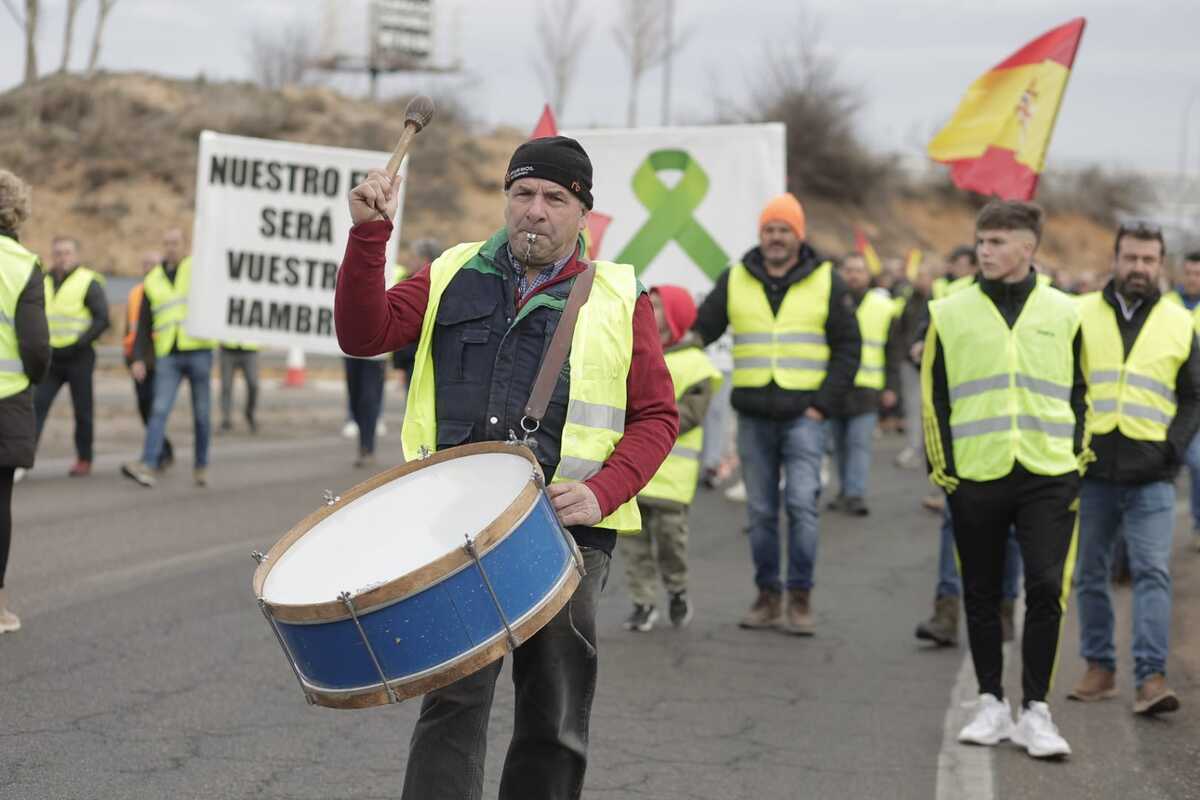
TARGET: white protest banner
(684,202)
(271,224)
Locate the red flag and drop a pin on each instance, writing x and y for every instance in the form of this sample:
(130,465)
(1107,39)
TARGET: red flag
(597,224)
(546,126)
(863,245)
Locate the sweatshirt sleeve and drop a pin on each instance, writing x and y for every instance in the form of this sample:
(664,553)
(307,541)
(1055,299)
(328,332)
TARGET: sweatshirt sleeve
(143,344)
(712,318)
(1187,411)
(845,348)
(96,302)
(935,413)
(693,406)
(33,331)
(894,354)
(370,320)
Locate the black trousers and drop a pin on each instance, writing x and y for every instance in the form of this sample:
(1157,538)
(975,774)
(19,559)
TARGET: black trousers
(144,392)
(364,385)
(6,490)
(1044,511)
(75,371)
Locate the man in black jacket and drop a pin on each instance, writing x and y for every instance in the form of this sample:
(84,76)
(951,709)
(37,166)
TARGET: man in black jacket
(796,351)
(1143,374)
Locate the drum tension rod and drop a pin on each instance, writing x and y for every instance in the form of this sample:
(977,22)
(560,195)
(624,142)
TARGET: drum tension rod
(568,539)
(474,554)
(287,651)
(387,687)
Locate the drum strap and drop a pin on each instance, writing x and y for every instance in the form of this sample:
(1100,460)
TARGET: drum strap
(560,346)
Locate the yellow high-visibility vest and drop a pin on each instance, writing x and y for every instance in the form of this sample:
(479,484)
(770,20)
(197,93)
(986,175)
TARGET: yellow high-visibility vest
(66,313)
(1010,388)
(788,348)
(1175,297)
(169,310)
(875,314)
(1135,394)
(600,357)
(16,266)
(676,478)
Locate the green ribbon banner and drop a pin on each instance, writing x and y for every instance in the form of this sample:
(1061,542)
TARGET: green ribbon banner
(671,214)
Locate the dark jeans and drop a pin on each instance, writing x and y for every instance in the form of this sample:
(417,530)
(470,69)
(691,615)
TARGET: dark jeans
(364,385)
(555,678)
(247,362)
(75,371)
(6,489)
(1044,512)
(144,392)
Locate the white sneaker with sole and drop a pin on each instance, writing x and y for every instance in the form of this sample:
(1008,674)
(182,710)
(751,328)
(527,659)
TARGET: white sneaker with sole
(350,429)
(20,472)
(991,724)
(1036,732)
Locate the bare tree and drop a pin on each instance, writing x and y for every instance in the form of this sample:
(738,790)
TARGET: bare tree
(561,31)
(280,57)
(68,33)
(641,33)
(28,22)
(105,7)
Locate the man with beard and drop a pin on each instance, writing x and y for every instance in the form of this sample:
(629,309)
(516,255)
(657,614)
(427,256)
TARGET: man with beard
(1143,375)
(795,354)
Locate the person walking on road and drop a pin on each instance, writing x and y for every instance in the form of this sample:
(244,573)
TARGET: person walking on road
(241,356)
(1005,409)
(1143,370)
(143,390)
(482,316)
(795,354)
(24,360)
(665,501)
(177,355)
(1188,295)
(77,312)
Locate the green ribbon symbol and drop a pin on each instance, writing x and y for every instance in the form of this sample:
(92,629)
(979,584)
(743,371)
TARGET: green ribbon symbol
(671,214)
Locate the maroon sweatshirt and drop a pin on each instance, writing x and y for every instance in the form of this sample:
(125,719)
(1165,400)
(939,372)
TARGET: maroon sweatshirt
(370,322)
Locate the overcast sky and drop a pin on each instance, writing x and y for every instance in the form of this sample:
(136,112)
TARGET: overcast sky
(1137,73)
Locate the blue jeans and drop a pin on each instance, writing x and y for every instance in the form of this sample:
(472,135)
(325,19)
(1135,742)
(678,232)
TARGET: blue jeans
(1146,516)
(766,447)
(852,450)
(1192,458)
(169,371)
(950,582)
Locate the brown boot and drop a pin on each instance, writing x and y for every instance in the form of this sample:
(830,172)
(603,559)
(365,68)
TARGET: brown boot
(767,611)
(942,627)
(1098,683)
(1008,627)
(1155,697)
(799,616)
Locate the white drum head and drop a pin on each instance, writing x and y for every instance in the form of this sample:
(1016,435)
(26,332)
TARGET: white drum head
(397,528)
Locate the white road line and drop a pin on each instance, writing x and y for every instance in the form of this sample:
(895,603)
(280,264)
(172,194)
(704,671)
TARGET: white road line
(964,772)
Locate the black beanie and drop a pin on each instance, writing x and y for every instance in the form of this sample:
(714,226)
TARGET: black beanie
(554,158)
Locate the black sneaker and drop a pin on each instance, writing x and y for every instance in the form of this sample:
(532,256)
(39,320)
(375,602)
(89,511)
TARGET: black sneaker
(642,619)
(680,610)
(855,507)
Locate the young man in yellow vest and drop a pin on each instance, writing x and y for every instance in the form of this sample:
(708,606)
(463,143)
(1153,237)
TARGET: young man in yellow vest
(665,501)
(1005,404)
(482,315)
(854,418)
(1143,371)
(795,354)
(24,359)
(177,355)
(77,311)
(143,390)
(1188,295)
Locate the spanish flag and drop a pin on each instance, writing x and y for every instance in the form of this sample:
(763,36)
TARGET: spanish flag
(996,142)
(863,245)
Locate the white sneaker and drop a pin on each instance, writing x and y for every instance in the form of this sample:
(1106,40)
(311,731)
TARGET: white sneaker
(991,724)
(381,428)
(19,474)
(350,430)
(1036,732)
(736,493)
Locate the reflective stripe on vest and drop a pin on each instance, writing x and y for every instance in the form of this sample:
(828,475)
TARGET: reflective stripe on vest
(788,348)
(601,352)
(169,310)
(66,313)
(874,316)
(1134,393)
(676,478)
(1010,389)
(16,266)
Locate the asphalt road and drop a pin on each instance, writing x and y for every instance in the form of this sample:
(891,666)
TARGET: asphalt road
(146,671)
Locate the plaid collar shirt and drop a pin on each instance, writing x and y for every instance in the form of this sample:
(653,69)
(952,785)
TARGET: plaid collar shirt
(527,287)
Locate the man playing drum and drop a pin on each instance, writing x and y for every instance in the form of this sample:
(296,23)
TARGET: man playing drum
(482,316)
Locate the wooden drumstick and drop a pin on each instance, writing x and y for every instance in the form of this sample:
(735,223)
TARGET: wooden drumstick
(416,116)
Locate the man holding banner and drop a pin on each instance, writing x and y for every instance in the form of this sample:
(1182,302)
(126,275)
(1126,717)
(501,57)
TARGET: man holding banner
(795,354)
(483,315)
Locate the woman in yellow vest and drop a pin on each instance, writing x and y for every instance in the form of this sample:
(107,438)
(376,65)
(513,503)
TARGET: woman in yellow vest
(482,316)
(665,501)
(1004,404)
(24,358)
(77,311)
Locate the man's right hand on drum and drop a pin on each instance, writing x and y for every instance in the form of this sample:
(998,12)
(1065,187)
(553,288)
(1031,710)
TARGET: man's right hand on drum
(574,503)
(375,198)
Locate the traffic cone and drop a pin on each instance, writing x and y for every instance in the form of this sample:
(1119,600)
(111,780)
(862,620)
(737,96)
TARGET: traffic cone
(295,368)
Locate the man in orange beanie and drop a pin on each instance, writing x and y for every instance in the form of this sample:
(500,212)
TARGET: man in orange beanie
(795,354)
(665,501)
